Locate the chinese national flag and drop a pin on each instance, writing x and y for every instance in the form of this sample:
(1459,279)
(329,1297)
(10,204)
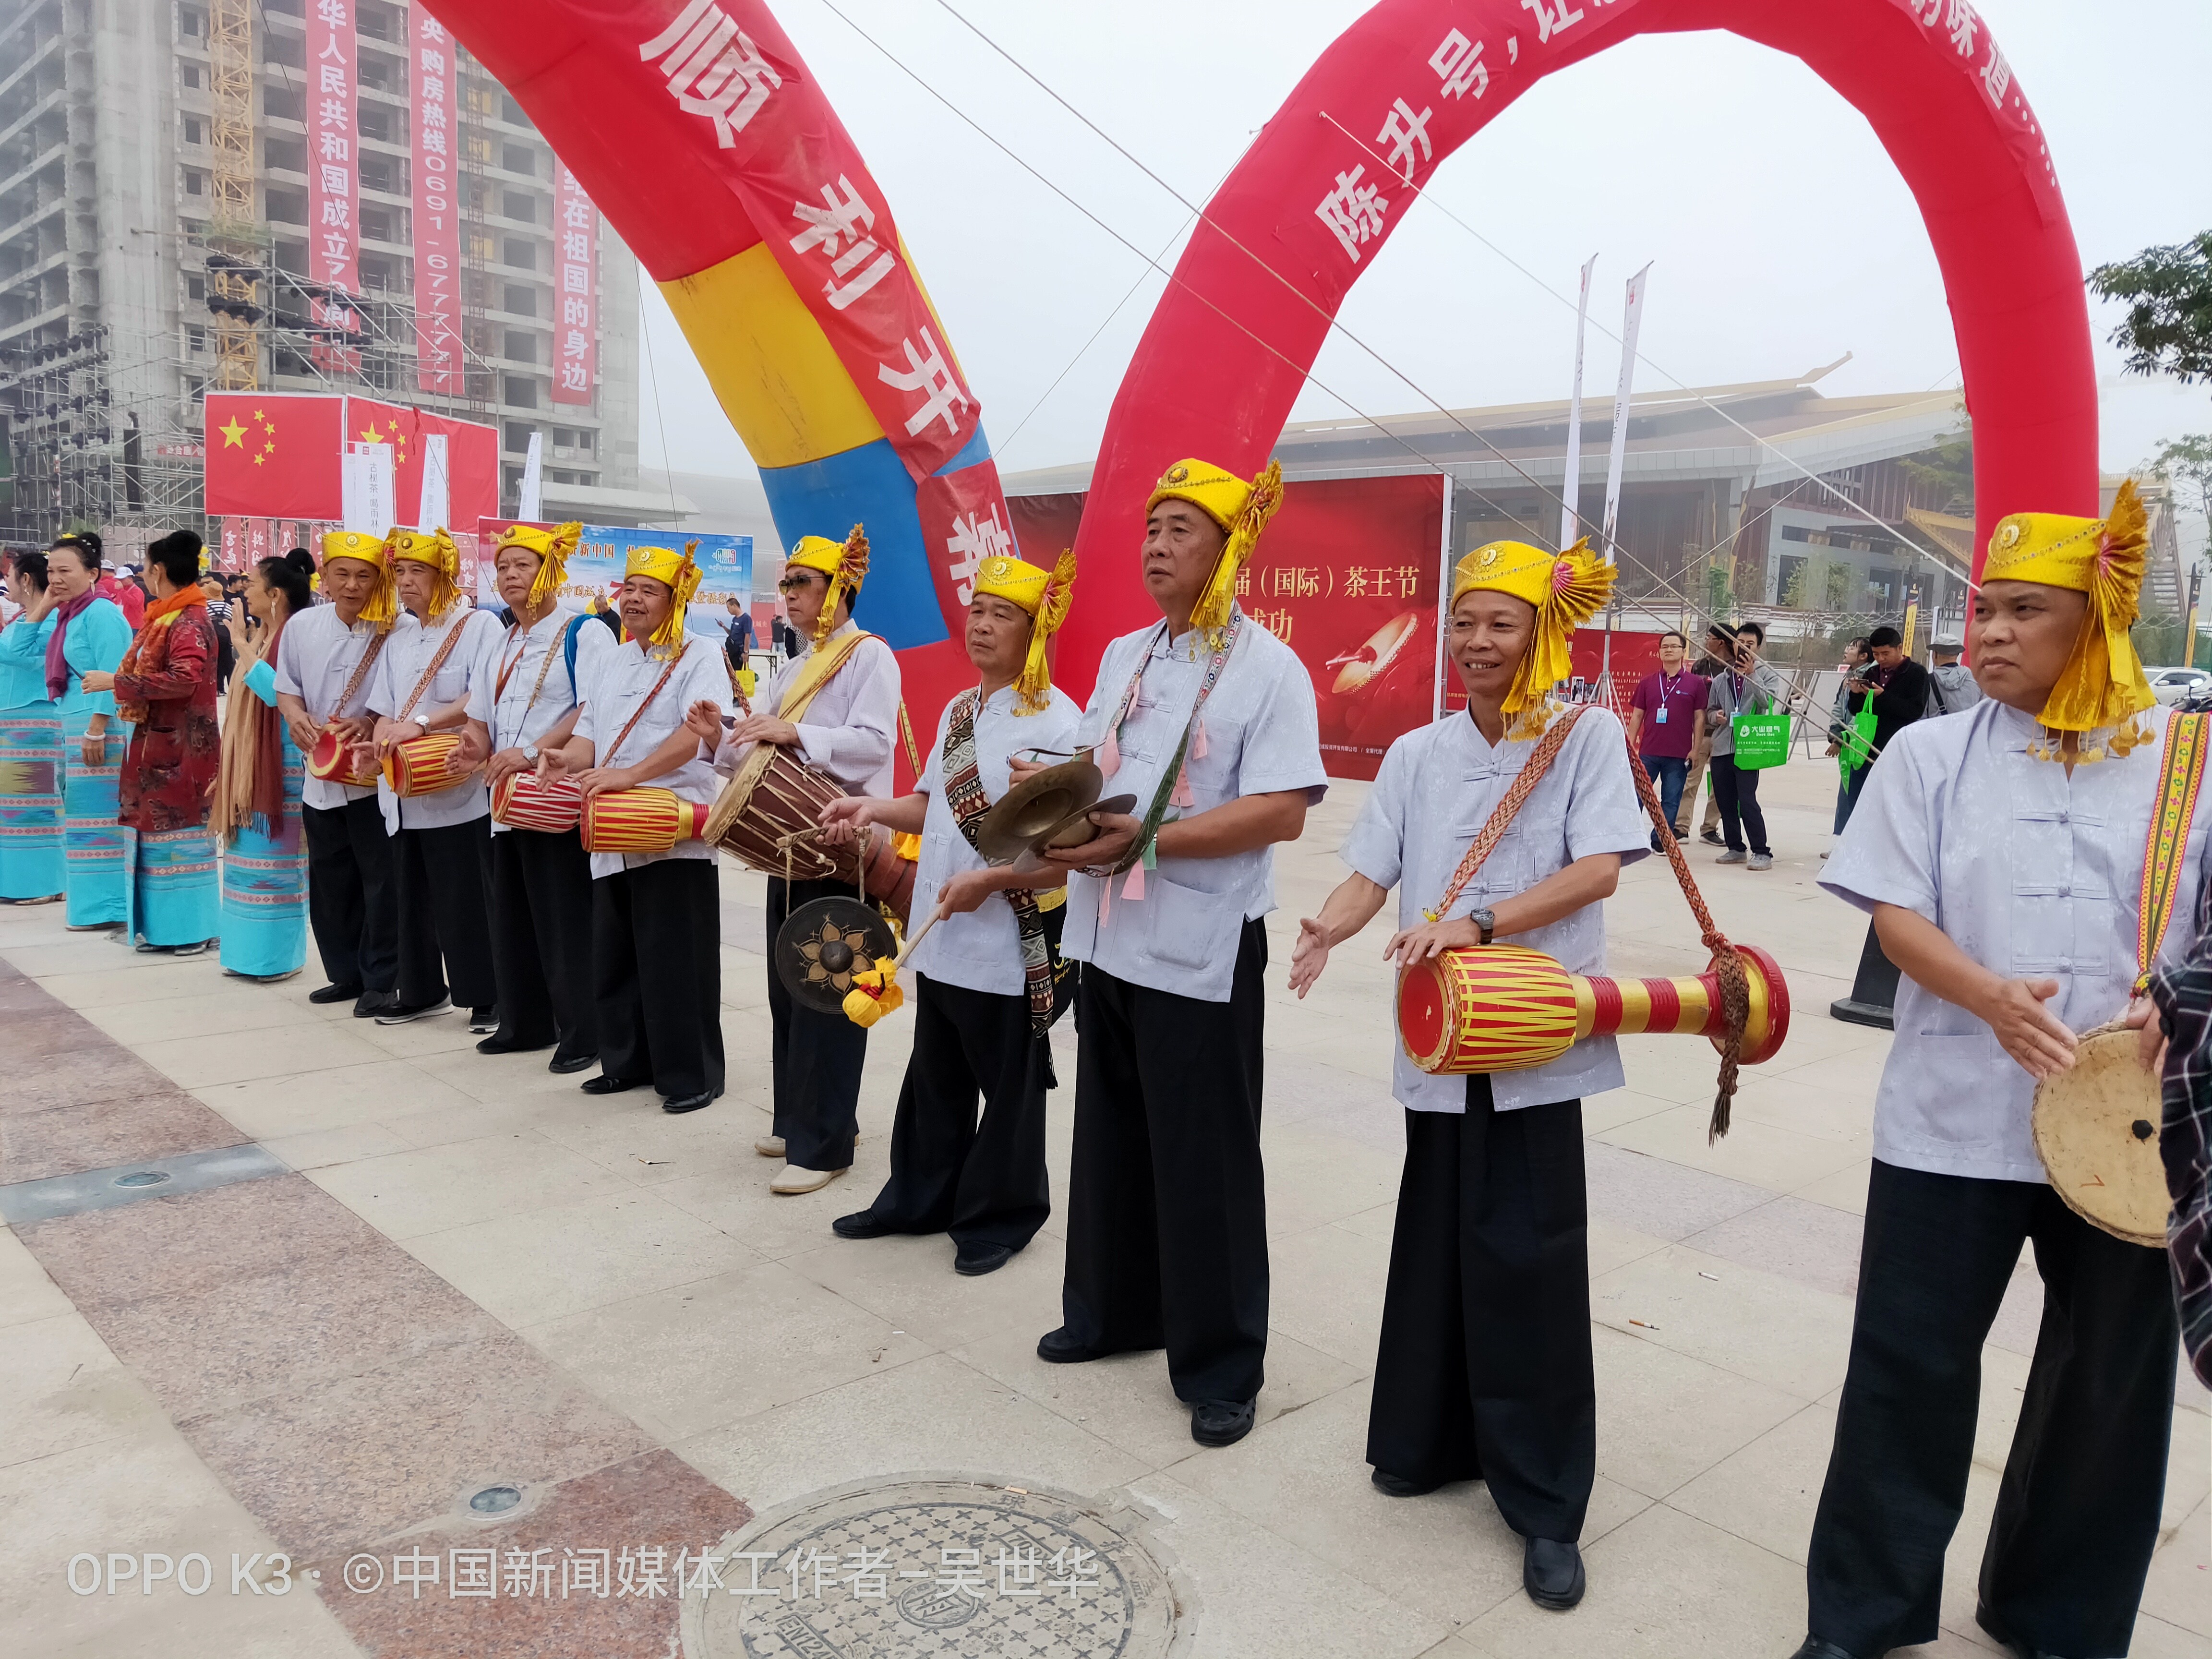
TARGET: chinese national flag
(471,457)
(273,456)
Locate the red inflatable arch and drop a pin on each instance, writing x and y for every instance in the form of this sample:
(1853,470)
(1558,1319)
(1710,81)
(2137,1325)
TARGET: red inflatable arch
(1413,80)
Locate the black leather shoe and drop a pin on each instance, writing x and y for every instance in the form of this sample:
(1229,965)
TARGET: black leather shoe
(1552,1573)
(496,1044)
(977,1259)
(370,1004)
(561,1067)
(2005,1639)
(334,993)
(686,1103)
(1399,1486)
(603,1085)
(1814,1647)
(1059,1348)
(1220,1422)
(861,1223)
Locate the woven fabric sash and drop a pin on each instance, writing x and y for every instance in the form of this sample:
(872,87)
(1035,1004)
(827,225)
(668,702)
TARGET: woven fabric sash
(820,668)
(1175,786)
(2181,774)
(963,793)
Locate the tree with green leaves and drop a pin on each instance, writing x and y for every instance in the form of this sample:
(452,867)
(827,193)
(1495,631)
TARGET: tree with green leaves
(2168,291)
(2189,460)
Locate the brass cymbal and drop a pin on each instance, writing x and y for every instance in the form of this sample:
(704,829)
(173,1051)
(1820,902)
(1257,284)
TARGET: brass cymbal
(1073,830)
(1031,811)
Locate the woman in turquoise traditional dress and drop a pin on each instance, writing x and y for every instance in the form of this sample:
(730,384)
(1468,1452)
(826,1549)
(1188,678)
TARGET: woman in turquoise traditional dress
(257,793)
(90,636)
(30,745)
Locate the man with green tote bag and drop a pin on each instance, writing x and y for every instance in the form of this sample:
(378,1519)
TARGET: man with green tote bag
(1749,688)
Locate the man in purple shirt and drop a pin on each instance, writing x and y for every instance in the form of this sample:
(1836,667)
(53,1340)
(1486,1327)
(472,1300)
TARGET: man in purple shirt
(1662,721)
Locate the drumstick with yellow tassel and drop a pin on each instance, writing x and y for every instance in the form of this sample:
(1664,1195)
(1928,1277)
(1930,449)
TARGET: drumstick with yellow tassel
(876,990)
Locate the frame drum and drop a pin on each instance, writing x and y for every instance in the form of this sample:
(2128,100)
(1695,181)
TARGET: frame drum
(2096,1130)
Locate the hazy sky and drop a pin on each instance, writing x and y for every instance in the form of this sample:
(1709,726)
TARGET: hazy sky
(1779,234)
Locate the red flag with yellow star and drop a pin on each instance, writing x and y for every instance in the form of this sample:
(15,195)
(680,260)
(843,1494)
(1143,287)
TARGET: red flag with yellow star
(272,457)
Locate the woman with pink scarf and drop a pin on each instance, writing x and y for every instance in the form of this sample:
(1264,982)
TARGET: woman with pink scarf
(90,636)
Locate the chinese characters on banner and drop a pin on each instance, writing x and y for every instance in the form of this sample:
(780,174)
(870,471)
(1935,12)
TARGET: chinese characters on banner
(333,178)
(963,524)
(576,281)
(437,214)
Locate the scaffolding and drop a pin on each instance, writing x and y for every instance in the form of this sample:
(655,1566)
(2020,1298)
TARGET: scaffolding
(233,227)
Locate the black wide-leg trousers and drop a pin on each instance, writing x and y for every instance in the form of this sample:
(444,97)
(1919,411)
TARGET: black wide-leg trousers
(816,1056)
(445,918)
(1167,1204)
(353,896)
(1485,1371)
(983,1182)
(2077,1512)
(541,941)
(657,975)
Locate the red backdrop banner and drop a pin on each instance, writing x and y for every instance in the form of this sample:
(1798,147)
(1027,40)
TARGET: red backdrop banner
(576,282)
(437,224)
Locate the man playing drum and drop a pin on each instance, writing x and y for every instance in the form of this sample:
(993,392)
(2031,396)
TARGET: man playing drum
(1207,716)
(844,689)
(2002,854)
(1485,1371)
(353,896)
(442,842)
(656,916)
(541,878)
(983,977)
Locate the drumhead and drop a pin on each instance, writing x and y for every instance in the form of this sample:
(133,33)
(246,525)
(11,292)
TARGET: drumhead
(2096,1130)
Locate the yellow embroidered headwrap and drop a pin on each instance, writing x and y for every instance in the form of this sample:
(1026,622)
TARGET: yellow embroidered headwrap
(552,548)
(383,602)
(1567,590)
(1045,594)
(436,549)
(1240,508)
(2102,685)
(845,565)
(680,571)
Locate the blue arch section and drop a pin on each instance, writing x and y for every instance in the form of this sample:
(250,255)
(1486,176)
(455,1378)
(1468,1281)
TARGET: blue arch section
(868,486)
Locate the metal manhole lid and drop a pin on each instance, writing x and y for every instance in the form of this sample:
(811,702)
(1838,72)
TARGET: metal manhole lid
(951,1567)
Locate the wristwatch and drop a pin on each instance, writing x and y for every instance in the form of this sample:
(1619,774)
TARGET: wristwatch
(530,754)
(422,720)
(1484,920)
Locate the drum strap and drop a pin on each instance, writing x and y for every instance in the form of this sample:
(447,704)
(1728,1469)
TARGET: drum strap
(608,759)
(361,672)
(1502,815)
(445,649)
(963,793)
(2180,776)
(1174,782)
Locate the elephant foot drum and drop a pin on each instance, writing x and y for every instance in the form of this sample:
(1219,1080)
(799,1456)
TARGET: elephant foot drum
(523,800)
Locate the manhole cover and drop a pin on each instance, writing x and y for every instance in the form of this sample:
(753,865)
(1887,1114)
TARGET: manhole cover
(939,1567)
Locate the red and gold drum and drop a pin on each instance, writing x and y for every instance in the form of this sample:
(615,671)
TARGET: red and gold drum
(426,765)
(640,820)
(338,761)
(524,800)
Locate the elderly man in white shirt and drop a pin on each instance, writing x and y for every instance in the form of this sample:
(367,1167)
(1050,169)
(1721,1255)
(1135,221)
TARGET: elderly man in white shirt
(985,978)
(442,844)
(1486,1372)
(656,916)
(1207,718)
(836,705)
(2001,853)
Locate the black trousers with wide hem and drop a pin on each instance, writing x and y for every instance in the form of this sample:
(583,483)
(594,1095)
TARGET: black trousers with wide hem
(352,895)
(445,919)
(1167,1203)
(541,941)
(816,1057)
(657,975)
(983,1182)
(1737,789)
(2077,1512)
(1485,1371)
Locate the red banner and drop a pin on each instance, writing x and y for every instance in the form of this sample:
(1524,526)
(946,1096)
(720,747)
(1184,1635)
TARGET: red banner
(963,524)
(437,218)
(333,178)
(577,280)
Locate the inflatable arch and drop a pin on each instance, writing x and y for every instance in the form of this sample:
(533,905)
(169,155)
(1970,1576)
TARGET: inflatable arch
(1413,80)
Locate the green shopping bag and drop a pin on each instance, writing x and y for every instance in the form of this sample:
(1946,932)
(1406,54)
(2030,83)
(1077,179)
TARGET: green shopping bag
(1855,743)
(1761,740)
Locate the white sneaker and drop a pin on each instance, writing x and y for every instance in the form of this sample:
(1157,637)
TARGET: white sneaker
(791,1180)
(1762,860)
(769,1146)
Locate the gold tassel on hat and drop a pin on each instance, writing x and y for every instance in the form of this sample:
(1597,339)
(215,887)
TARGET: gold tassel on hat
(552,548)
(382,605)
(435,548)
(852,570)
(1046,595)
(679,573)
(1211,610)
(1566,589)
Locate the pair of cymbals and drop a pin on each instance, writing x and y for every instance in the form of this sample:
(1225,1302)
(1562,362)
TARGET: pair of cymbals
(1049,809)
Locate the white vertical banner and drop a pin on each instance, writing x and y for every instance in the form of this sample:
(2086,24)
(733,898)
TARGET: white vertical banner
(365,483)
(1634,315)
(1443,601)
(1571,493)
(527,506)
(437,484)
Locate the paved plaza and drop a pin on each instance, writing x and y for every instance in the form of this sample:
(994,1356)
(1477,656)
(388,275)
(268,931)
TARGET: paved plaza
(386,1278)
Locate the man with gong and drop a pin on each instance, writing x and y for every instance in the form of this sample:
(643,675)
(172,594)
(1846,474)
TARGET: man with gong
(984,977)
(1485,1371)
(1209,720)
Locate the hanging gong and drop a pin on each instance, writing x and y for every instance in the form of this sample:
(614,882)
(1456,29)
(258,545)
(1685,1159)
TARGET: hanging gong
(1028,814)
(823,943)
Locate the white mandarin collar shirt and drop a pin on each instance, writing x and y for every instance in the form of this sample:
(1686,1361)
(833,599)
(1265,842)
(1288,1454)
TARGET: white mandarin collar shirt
(316,656)
(2033,874)
(616,684)
(533,664)
(406,656)
(981,950)
(850,728)
(1262,738)
(1436,788)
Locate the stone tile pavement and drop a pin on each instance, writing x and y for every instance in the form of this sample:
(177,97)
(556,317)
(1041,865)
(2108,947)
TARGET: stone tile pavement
(473,1277)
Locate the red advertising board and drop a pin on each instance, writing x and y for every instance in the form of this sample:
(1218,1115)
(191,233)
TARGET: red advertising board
(437,222)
